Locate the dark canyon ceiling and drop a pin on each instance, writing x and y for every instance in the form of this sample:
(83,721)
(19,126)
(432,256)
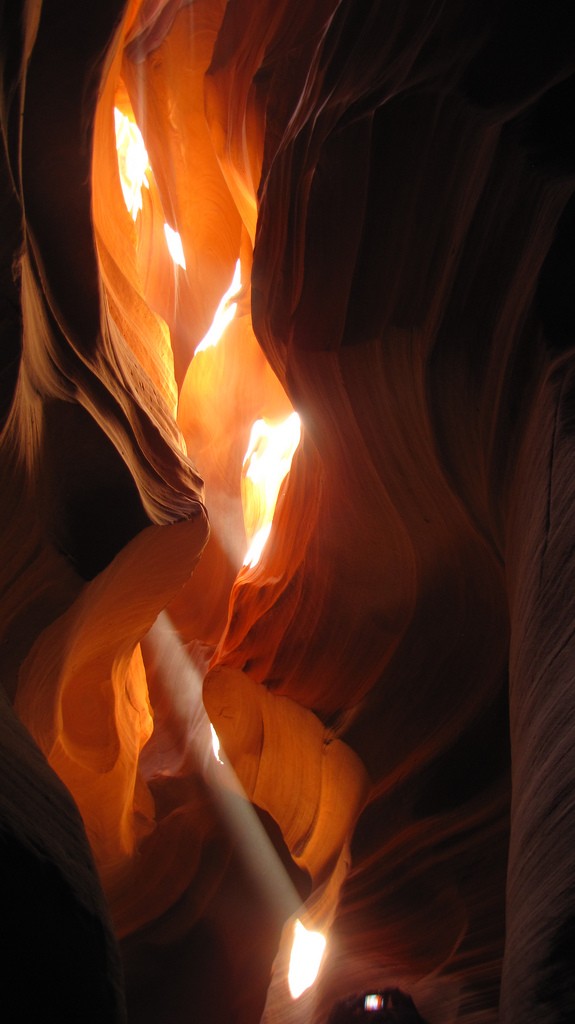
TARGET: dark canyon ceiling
(392,681)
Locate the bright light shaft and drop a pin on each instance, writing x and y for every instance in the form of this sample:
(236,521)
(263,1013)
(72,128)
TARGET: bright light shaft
(185,742)
(261,860)
(252,841)
(183,684)
(133,163)
(305,961)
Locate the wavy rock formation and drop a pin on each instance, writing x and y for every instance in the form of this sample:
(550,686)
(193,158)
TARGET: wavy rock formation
(392,682)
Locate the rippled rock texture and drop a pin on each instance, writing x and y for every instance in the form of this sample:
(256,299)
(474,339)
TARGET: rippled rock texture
(393,682)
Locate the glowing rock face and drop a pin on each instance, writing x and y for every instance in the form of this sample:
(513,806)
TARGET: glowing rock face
(266,464)
(175,247)
(133,163)
(135,171)
(224,314)
(215,745)
(306,956)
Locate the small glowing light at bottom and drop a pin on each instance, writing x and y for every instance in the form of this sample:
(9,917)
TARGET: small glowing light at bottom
(373,1002)
(305,961)
(216,744)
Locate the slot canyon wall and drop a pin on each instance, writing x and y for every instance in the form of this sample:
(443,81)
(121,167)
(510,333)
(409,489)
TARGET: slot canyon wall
(392,682)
